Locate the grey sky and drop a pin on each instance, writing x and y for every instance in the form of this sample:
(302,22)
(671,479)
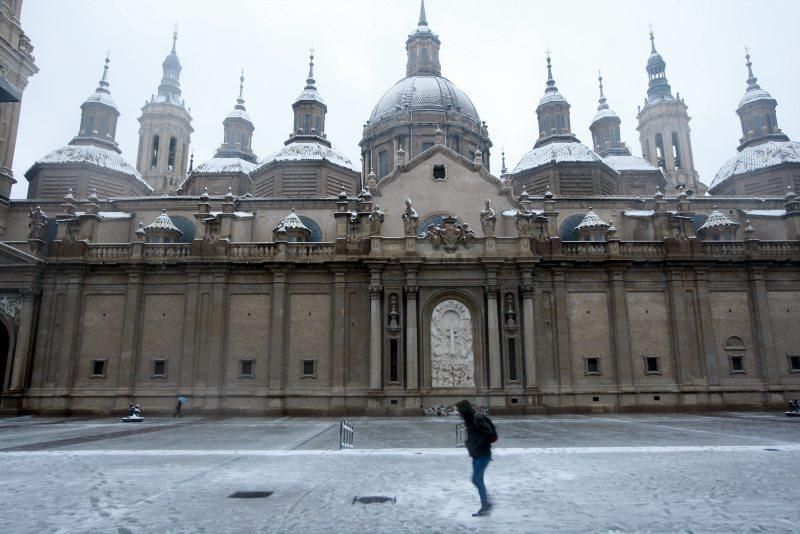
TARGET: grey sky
(494,51)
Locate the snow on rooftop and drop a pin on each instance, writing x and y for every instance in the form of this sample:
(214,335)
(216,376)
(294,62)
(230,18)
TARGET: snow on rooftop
(559,152)
(765,213)
(115,215)
(638,213)
(552,97)
(224,166)
(629,163)
(102,98)
(758,157)
(301,151)
(239,114)
(753,95)
(310,94)
(603,113)
(91,155)
(239,214)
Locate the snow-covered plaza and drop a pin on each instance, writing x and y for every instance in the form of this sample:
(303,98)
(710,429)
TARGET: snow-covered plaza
(721,472)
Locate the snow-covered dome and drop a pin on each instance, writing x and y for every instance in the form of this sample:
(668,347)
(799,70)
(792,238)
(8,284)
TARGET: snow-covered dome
(424,93)
(559,152)
(101,97)
(299,151)
(90,155)
(224,166)
(758,157)
(604,114)
(309,94)
(553,96)
(162,223)
(753,95)
(629,163)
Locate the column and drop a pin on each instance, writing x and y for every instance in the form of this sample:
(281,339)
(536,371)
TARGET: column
(707,338)
(130,324)
(495,373)
(276,353)
(619,317)
(412,349)
(339,330)
(375,352)
(527,291)
(680,339)
(20,365)
(764,341)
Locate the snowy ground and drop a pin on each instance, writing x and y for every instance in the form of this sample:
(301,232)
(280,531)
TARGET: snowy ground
(726,472)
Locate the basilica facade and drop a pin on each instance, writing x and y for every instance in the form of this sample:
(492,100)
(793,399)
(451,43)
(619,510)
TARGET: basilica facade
(584,278)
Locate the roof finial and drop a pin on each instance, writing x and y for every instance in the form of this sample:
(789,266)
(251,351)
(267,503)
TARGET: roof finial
(423,21)
(103,85)
(503,169)
(551,83)
(602,101)
(652,39)
(241,86)
(310,81)
(752,81)
(174,37)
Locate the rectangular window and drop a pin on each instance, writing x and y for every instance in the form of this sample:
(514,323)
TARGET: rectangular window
(592,365)
(159,369)
(394,371)
(98,369)
(512,359)
(651,365)
(439,172)
(426,146)
(247,369)
(173,147)
(736,363)
(309,368)
(794,363)
(383,164)
(154,153)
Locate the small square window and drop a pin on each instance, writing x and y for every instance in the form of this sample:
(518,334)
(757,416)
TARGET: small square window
(246,369)
(794,363)
(651,366)
(309,368)
(439,172)
(98,369)
(737,363)
(159,368)
(591,366)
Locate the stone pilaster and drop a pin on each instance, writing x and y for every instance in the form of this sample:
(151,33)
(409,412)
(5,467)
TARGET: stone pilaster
(412,342)
(527,291)
(22,350)
(495,374)
(276,348)
(375,348)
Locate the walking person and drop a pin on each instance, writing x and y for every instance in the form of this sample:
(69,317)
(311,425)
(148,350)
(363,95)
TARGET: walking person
(178,406)
(480,436)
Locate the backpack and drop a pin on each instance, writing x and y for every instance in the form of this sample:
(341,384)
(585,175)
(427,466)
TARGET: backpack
(493,435)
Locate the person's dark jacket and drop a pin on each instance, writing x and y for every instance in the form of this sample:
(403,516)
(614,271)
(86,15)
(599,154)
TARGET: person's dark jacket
(478,433)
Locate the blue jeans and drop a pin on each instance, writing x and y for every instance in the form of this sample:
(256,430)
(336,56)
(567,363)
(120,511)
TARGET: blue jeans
(479,465)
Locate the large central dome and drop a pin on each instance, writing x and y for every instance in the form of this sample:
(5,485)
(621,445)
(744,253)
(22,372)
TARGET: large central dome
(430,93)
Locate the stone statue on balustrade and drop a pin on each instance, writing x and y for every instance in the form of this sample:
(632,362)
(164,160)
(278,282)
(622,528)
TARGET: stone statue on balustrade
(410,220)
(375,221)
(37,225)
(488,219)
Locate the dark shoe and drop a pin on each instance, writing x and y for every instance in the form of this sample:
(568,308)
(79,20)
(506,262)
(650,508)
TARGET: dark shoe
(483,511)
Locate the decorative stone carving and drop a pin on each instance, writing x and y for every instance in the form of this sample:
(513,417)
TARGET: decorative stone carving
(491,290)
(411,292)
(10,306)
(523,221)
(450,234)
(375,292)
(410,220)
(526,290)
(452,356)
(510,314)
(488,219)
(375,221)
(394,314)
(37,225)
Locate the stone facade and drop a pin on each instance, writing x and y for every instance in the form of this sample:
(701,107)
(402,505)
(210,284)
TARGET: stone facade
(432,281)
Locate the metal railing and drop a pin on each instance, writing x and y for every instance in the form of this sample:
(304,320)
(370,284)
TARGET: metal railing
(346,434)
(461,434)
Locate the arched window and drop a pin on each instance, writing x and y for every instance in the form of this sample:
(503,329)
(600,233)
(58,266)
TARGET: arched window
(186,226)
(383,164)
(660,159)
(88,128)
(676,151)
(319,125)
(559,123)
(769,123)
(316,231)
(173,147)
(307,124)
(567,229)
(154,152)
(734,343)
(423,56)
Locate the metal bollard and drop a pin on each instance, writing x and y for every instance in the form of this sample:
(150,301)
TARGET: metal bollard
(346,434)
(461,434)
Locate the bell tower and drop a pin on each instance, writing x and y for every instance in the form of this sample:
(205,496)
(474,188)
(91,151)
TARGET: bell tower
(165,130)
(422,47)
(664,131)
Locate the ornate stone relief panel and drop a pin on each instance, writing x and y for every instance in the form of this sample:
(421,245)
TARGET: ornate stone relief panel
(452,355)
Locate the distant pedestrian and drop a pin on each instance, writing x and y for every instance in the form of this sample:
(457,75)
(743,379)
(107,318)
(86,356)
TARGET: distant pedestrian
(480,436)
(178,409)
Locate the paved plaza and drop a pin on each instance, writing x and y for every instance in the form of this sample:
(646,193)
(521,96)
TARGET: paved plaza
(721,472)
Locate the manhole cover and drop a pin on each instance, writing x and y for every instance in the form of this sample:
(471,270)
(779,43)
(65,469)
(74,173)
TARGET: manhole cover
(376,499)
(250,495)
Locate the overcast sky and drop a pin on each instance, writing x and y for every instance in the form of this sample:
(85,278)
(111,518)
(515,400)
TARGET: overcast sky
(494,51)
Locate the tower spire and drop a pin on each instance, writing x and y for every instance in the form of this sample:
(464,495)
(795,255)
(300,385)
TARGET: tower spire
(752,81)
(102,87)
(240,100)
(174,37)
(310,81)
(652,41)
(423,20)
(602,102)
(551,83)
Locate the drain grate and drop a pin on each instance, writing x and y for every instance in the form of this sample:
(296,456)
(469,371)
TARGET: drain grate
(374,499)
(250,495)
